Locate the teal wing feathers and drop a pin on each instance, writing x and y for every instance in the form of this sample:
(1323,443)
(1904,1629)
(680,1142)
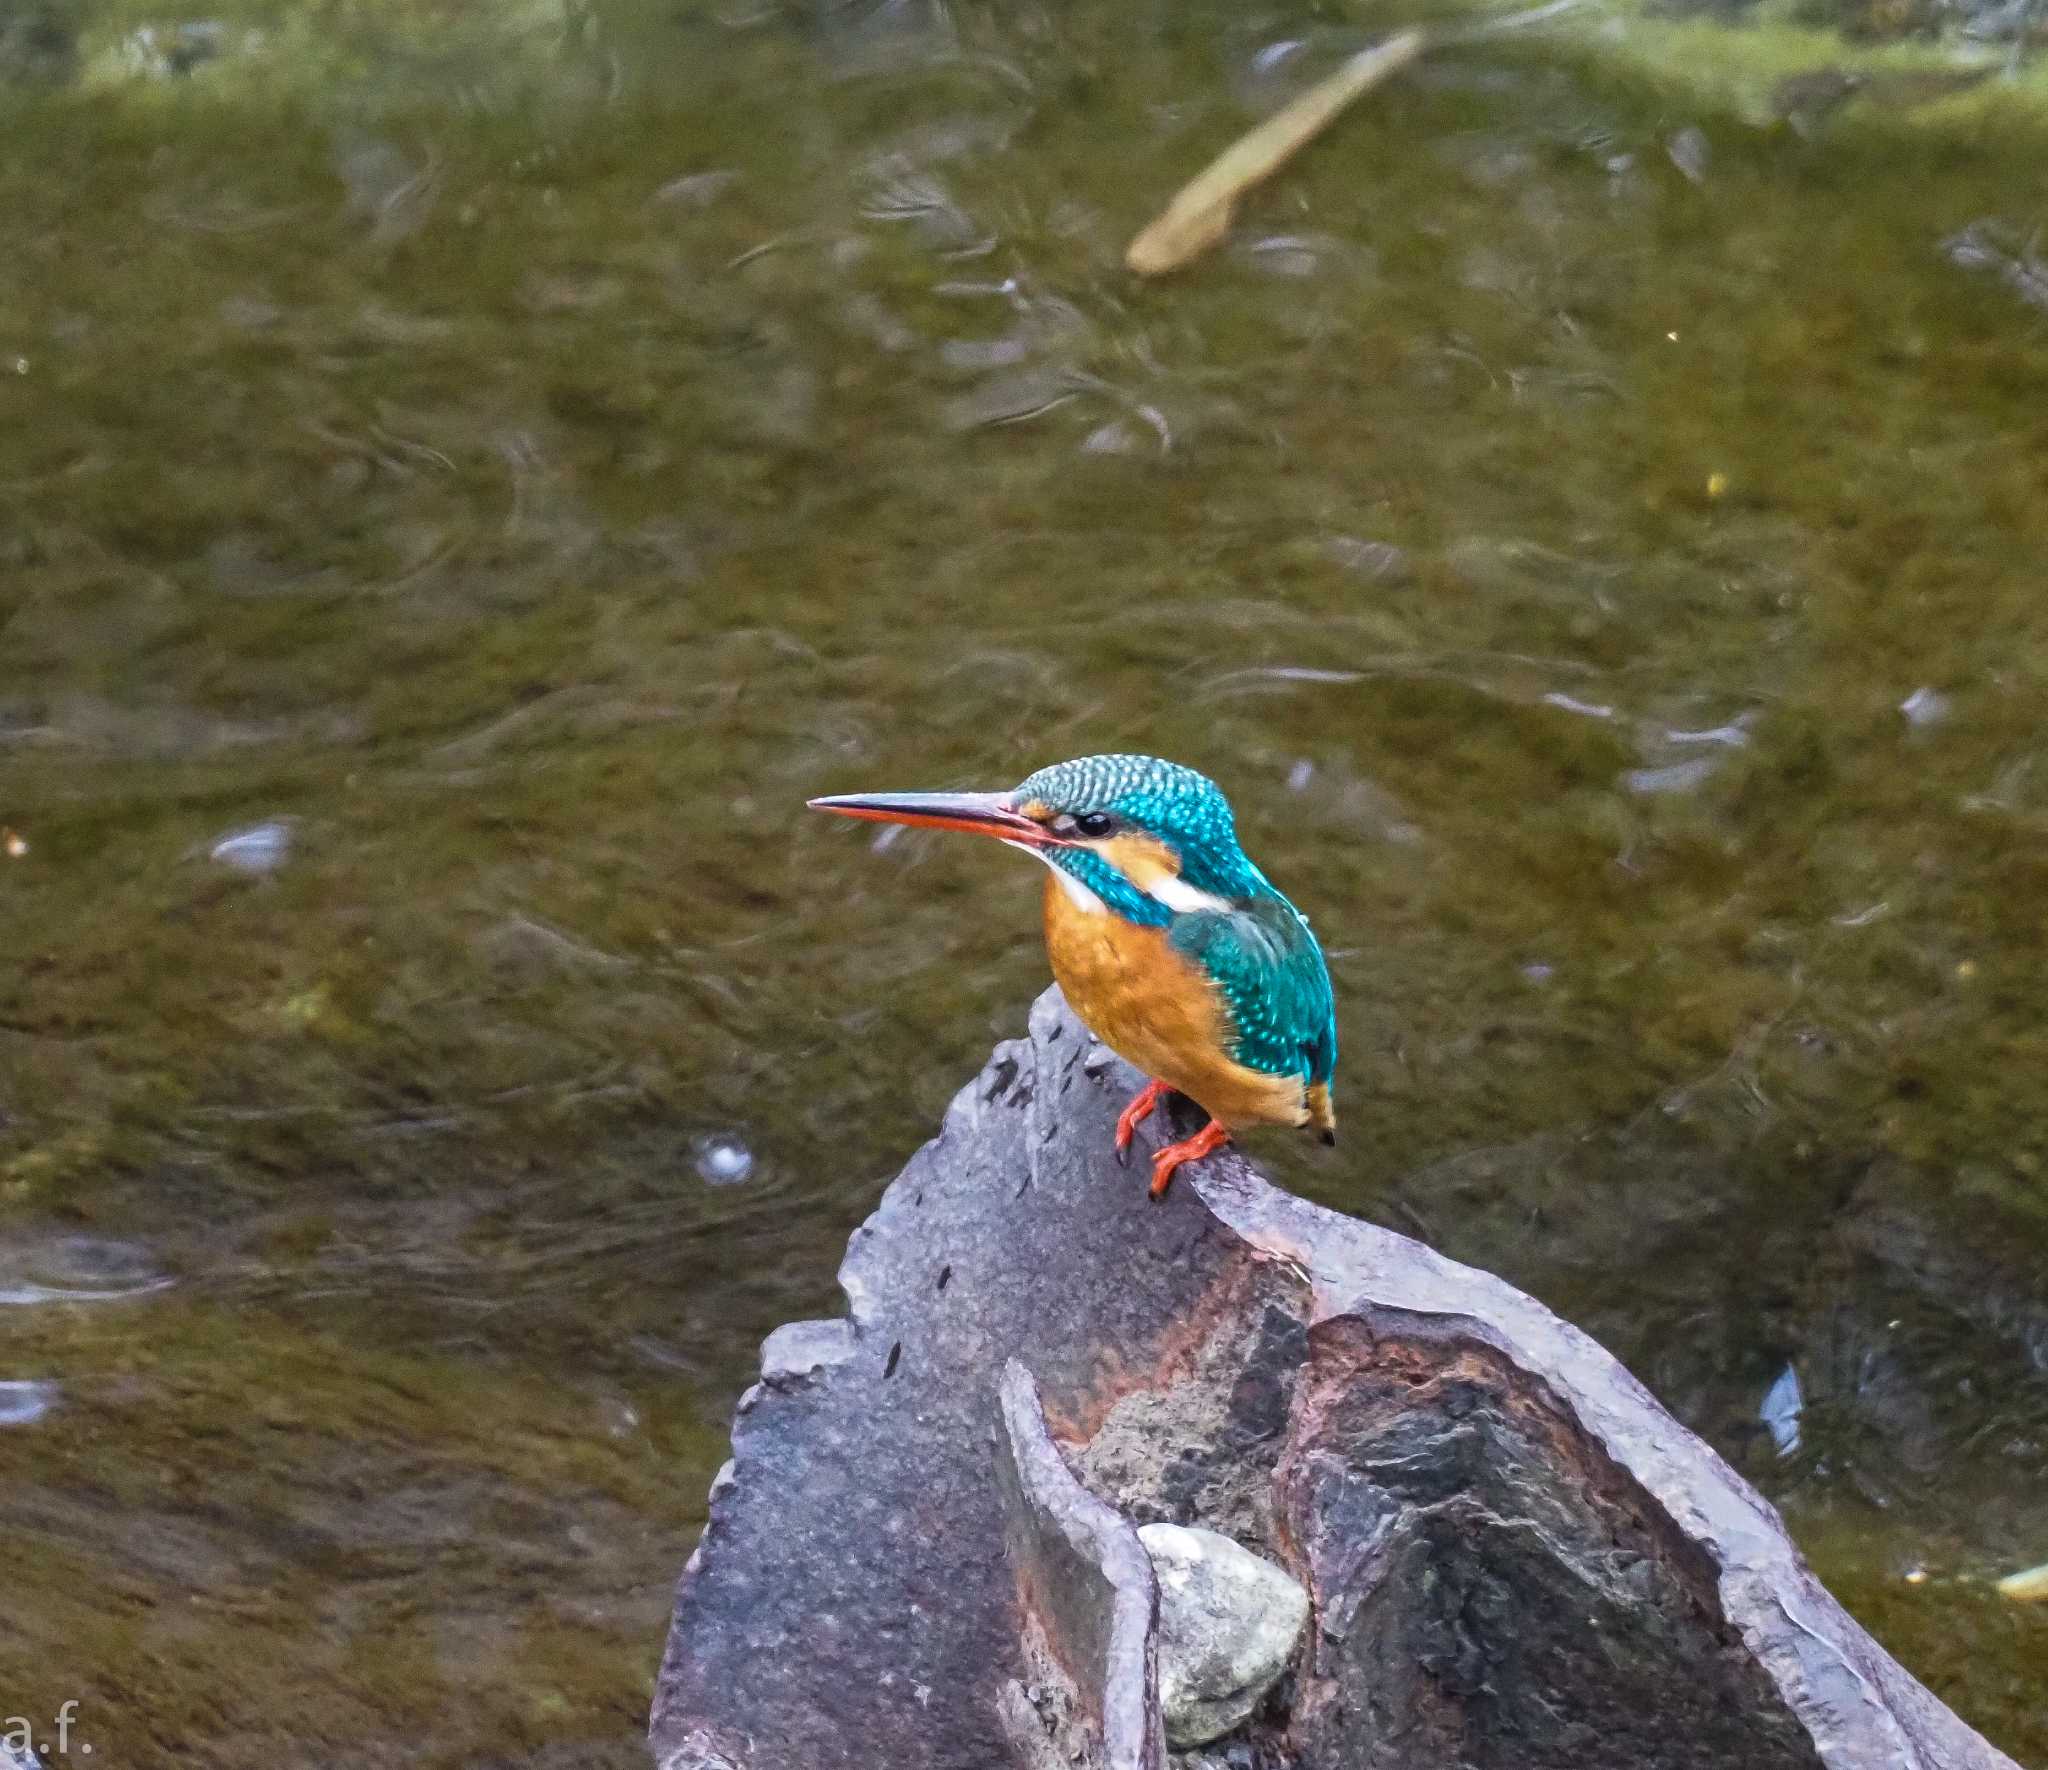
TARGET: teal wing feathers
(1272,974)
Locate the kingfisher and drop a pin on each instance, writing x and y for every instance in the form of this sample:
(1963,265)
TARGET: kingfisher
(1168,942)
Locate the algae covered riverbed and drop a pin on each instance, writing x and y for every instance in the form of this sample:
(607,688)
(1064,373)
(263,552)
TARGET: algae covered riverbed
(463,485)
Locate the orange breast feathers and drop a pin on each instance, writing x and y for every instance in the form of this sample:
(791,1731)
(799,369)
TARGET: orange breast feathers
(1159,1012)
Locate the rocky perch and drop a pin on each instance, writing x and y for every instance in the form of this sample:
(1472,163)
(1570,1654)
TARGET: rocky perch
(934,1548)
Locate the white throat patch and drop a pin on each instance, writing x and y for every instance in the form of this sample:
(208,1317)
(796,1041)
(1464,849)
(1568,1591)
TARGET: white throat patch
(1178,895)
(1170,889)
(1083,899)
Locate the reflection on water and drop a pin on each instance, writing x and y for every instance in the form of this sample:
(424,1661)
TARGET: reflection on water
(466,480)
(261,848)
(24,1403)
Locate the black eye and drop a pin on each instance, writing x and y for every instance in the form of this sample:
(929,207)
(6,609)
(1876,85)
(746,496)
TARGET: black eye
(1094,823)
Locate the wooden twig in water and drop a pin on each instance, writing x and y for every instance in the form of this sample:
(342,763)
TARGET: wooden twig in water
(2026,1586)
(1200,216)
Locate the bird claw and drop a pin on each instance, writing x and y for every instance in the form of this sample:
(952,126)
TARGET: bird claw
(1210,1138)
(1134,1114)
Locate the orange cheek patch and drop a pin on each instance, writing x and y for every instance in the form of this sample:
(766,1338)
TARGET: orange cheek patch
(1144,860)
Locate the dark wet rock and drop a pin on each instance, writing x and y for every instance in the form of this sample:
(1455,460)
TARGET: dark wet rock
(1691,152)
(1996,249)
(1806,101)
(1228,1624)
(166,51)
(1978,1267)
(1516,1559)
(38,43)
(1724,12)
(2006,21)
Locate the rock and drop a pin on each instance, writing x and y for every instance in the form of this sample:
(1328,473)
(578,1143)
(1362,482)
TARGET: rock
(38,43)
(1228,1622)
(1091,1606)
(166,52)
(923,1555)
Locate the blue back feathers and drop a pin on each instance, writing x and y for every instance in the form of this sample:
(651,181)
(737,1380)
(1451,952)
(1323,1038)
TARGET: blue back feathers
(1259,951)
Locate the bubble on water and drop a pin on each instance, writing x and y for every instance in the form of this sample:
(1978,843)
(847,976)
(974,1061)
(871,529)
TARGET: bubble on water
(723,1160)
(1299,776)
(1925,707)
(24,1403)
(1538,972)
(261,848)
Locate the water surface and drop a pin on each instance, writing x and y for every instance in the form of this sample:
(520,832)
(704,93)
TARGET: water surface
(461,490)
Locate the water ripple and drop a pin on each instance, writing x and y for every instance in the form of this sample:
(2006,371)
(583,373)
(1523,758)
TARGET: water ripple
(22,1403)
(78,1269)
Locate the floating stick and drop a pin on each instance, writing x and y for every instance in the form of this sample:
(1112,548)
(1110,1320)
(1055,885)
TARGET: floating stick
(1200,216)
(2026,1586)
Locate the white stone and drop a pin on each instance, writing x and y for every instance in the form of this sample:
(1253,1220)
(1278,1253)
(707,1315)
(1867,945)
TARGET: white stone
(261,848)
(1228,1622)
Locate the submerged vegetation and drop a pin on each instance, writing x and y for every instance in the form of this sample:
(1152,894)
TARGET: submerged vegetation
(1588,516)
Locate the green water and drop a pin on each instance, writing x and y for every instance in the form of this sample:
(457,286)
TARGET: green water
(532,460)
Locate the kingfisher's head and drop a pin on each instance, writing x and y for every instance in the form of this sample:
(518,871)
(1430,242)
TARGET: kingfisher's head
(1133,834)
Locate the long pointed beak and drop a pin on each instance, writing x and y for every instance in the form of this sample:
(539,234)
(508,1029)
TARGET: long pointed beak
(980,814)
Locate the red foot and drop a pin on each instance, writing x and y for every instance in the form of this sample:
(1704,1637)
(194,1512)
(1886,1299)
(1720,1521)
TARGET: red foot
(1135,1114)
(1207,1140)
